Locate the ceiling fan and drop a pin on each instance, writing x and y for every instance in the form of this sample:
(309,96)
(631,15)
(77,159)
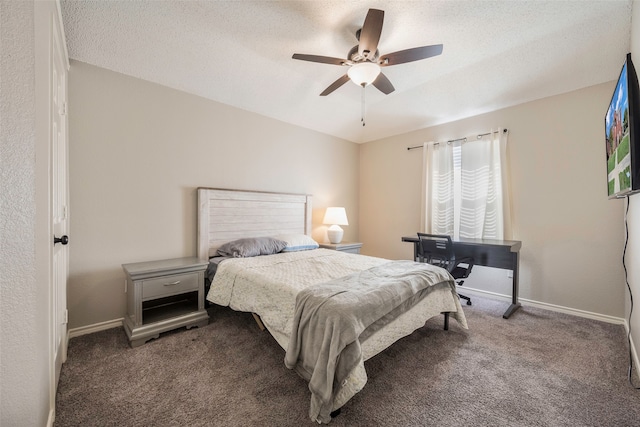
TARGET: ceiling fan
(364,60)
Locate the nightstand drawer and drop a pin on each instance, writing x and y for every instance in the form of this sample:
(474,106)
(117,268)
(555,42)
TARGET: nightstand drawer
(169,285)
(350,248)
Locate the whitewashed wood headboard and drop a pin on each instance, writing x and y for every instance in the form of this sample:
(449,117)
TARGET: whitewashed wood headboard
(226,215)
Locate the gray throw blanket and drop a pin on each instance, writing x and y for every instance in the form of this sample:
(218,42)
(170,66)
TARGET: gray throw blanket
(330,317)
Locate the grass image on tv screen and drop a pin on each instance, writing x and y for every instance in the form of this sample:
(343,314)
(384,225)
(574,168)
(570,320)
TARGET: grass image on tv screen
(611,163)
(617,160)
(625,178)
(623,148)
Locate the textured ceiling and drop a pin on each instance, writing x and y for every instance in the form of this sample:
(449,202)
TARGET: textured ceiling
(496,54)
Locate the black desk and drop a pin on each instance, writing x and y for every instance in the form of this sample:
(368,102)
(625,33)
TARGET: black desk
(490,253)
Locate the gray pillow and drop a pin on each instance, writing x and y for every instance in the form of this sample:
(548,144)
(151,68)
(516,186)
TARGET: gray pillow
(244,248)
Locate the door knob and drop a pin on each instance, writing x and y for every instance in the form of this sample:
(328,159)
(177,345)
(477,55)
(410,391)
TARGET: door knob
(64,239)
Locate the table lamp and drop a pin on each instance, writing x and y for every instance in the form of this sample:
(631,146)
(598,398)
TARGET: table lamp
(335,217)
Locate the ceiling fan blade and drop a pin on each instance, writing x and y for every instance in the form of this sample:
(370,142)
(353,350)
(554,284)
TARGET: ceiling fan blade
(410,55)
(335,85)
(370,33)
(383,84)
(321,59)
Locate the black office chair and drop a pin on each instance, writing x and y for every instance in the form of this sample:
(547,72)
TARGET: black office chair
(438,250)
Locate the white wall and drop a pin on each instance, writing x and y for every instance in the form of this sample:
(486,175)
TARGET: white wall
(25,371)
(139,150)
(633,248)
(571,234)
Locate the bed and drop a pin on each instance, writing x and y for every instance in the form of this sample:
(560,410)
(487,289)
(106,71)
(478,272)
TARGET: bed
(296,289)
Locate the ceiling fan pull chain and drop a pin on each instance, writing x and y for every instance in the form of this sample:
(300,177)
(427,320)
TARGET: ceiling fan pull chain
(363,105)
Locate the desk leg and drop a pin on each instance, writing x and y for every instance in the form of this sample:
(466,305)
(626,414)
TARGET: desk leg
(514,292)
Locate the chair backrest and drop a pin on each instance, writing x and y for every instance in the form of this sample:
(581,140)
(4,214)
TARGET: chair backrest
(436,249)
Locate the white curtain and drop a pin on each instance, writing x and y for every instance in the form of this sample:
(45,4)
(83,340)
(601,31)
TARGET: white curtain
(440,177)
(465,190)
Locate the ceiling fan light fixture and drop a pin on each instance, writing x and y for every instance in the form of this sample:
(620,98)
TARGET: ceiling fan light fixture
(363,73)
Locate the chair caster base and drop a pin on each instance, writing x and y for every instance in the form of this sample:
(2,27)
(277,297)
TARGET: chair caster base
(466,298)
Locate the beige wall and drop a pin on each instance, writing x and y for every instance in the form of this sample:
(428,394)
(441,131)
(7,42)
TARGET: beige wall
(572,234)
(138,151)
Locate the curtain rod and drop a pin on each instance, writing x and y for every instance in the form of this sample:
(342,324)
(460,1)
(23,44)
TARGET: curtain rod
(480,135)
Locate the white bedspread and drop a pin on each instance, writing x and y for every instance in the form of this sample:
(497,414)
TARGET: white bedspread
(268,285)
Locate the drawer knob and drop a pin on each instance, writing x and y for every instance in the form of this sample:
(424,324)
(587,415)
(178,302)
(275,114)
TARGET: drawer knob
(177,282)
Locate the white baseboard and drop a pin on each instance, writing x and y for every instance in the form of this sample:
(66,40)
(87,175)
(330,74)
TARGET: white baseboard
(551,307)
(51,418)
(96,327)
(634,353)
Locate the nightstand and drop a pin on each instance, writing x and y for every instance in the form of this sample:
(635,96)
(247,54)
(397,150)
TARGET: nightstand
(164,295)
(349,247)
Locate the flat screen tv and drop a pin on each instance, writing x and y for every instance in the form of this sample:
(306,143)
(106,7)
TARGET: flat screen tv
(622,126)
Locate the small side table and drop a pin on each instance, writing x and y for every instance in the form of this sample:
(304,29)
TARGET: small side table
(349,247)
(164,295)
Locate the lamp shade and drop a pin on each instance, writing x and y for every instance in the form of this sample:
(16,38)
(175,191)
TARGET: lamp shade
(363,73)
(335,216)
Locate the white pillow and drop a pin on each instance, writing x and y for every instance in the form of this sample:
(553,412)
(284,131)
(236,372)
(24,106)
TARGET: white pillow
(297,242)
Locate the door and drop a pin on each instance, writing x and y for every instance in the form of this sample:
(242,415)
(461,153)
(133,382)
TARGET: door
(59,198)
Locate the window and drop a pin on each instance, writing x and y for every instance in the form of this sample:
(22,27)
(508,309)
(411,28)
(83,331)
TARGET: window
(466,188)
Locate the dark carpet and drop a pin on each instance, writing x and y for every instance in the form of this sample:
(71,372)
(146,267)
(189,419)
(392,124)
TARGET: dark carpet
(538,368)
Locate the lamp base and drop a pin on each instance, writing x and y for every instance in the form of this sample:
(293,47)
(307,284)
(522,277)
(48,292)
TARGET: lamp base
(335,233)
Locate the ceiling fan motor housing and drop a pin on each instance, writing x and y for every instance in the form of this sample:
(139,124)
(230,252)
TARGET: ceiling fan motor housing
(355,57)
